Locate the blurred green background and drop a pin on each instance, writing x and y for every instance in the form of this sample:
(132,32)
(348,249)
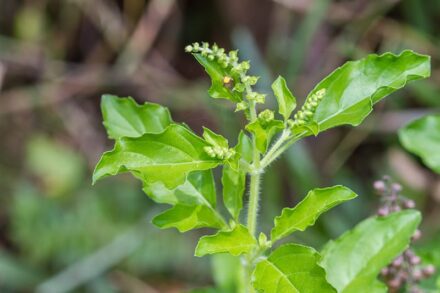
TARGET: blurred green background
(60,234)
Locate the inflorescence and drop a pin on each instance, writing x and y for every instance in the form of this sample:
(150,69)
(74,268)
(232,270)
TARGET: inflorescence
(219,152)
(308,109)
(237,80)
(406,270)
(236,77)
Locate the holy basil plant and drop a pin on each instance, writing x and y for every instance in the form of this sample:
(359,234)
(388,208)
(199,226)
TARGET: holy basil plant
(175,167)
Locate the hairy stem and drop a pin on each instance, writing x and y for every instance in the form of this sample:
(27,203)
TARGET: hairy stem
(270,155)
(282,144)
(254,181)
(254,192)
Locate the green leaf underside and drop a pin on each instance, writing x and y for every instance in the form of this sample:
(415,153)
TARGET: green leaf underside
(236,242)
(244,147)
(305,213)
(217,73)
(234,180)
(264,133)
(422,137)
(123,117)
(354,260)
(185,218)
(291,268)
(166,157)
(353,89)
(286,101)
(234,185)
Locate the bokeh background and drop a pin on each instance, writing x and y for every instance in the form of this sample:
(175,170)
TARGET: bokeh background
(57,57)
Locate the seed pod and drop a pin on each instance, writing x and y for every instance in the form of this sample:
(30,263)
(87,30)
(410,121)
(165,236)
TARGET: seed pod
(417,275)
(394,283)
(396,187)
(380,186)
(398,262)
(395,208)
(383,211)
(414,260)
(428,271)
(409,204)
(415,290)
(417,235)
(385,271)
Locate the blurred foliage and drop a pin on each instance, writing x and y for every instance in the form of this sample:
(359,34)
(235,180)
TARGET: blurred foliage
(58,233)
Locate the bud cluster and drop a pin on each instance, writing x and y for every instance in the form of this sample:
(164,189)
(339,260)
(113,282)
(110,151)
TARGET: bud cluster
(308,109)
(236,78)
(218,152)
(406,270)
(265,117)
(391,199)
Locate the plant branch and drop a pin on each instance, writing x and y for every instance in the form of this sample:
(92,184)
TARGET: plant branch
(280,146)
(254,180)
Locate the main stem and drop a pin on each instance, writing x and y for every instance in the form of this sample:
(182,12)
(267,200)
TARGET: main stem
(254,181)
(254,192)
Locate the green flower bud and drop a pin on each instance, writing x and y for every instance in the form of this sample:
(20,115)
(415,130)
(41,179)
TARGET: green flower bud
(252,80)
(214,48)
(239,87)
(308,109)
(290,123)
(260,98)
(308,114)
(233,55)
(266,116)
(251,96)
(320,94)
(188,49)
(245,65)
(210,151)
(263,242)
(241,106)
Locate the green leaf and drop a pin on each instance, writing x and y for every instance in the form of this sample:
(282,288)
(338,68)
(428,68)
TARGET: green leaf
(305,213)
(234,179)
(353,261)
(124,117)
(185,218)
(233,182)
(264,132)
(422,137)
(166,157)
(235,242)
(291,268)
(198,189)
(353,89)
(214,139)
(194,201)
(286,101)
(376,287)
(218,90)
(244,147)
(226,272)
